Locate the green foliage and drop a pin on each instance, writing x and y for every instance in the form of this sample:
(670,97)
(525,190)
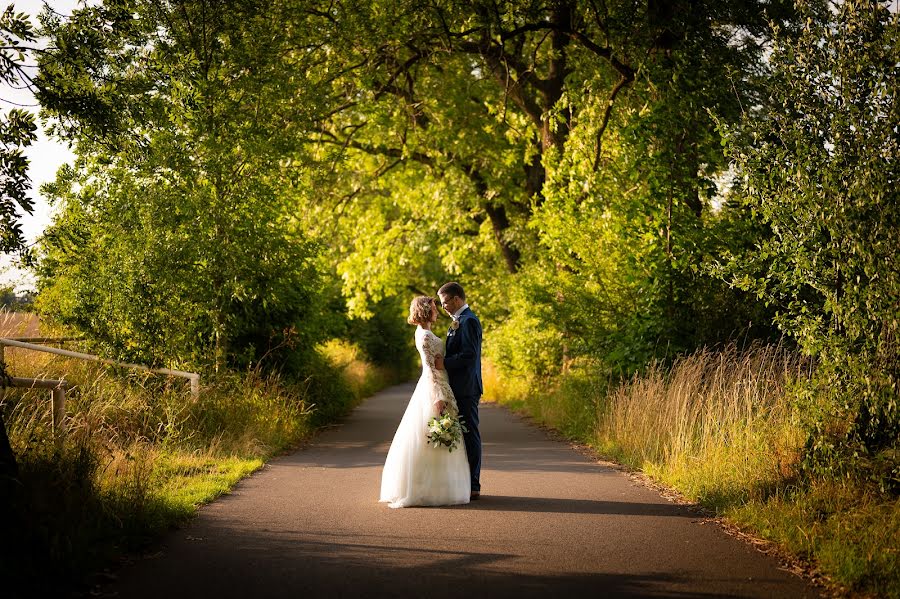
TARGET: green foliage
(182,274)
(556,158)
(385,339)
(560,159)
(173,241)
(529,342)
(820,161)
(17,129)
(629,234)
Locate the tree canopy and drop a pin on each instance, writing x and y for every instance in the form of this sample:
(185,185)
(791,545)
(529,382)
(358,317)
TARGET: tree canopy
(822,166)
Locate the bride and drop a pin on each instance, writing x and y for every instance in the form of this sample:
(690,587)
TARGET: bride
(415,472)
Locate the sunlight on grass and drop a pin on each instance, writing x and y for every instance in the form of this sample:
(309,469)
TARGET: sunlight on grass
(188,480)
(363,378)
(850,531)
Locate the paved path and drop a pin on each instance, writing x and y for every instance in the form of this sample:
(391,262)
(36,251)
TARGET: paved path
(551,523)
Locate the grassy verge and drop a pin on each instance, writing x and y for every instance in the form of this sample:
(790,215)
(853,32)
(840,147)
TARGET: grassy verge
(724,430)
(140,456)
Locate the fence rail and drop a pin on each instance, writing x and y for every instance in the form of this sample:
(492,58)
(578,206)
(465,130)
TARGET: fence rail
(46,339)
(193,377)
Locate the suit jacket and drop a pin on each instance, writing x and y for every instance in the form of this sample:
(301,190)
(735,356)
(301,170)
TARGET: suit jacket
(463,359)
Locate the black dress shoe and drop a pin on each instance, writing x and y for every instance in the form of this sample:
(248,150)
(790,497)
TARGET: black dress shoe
(475,495)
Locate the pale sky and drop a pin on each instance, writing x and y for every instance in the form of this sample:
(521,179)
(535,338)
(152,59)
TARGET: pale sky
(44,156)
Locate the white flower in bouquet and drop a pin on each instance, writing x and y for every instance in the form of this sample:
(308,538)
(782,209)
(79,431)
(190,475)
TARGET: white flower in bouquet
(446,430)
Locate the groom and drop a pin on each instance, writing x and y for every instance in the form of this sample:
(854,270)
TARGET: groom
(463,365)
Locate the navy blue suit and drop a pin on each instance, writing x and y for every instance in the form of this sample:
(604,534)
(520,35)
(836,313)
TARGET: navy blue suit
(463,364)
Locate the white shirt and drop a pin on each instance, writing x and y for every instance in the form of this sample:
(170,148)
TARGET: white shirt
(456,314)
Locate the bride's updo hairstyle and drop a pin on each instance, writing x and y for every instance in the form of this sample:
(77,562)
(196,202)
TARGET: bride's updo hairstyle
(420,310)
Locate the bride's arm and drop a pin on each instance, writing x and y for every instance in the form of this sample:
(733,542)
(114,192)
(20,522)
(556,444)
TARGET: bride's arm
(434,360)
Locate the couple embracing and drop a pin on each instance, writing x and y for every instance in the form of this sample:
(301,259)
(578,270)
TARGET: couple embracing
(418,471)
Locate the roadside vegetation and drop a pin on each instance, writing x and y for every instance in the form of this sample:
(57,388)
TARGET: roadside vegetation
(728,429)
(139,455)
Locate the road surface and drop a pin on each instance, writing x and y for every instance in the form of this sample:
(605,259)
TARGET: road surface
(551,522)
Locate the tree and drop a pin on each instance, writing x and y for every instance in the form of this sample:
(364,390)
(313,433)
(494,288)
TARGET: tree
(554,150)
(17,128)
(557,152)
(821,169)
(174,242)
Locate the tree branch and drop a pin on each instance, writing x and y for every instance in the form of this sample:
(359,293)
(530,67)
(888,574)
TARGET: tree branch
(499,63)
(375,150)
(499,220)
(604,52)
(606,114)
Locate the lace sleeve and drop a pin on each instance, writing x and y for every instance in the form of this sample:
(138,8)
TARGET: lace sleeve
(440,392)
(428,352)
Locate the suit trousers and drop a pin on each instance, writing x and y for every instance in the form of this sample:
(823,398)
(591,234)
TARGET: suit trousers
(468,411)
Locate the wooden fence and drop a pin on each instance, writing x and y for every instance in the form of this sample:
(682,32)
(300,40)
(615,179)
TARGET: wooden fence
(58,387)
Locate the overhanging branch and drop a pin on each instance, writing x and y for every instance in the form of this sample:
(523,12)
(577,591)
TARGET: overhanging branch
(604,52)
(606,114)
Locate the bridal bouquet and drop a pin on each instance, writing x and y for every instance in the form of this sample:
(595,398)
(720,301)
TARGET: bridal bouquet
(447,430)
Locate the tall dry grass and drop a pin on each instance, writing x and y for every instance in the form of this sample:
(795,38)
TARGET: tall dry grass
(19,324)
(719,425)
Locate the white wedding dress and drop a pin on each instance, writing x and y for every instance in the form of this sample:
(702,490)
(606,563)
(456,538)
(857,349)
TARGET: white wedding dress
(415,472)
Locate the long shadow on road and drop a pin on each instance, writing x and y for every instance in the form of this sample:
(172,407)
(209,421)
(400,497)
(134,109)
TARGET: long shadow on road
(276,564)
(579,506)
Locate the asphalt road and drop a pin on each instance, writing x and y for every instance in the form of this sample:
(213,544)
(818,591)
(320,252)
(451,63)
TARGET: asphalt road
(551,522)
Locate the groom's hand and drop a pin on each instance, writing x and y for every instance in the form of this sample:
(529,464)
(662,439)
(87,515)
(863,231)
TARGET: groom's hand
(439,362)
(441,406)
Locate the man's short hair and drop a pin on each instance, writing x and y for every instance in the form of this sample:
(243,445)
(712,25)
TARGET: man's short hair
(453,290)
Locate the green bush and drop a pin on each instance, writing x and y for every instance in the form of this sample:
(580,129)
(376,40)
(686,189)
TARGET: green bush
(820,162)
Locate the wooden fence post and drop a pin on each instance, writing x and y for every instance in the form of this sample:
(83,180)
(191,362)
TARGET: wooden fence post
(58,396)
(195,387)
